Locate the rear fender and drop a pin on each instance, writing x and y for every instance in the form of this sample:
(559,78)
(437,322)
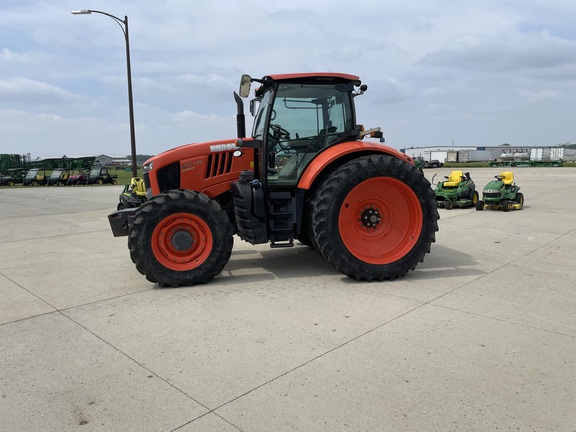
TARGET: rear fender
(332,154)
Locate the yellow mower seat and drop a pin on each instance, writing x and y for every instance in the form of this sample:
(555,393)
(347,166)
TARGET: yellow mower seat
(137,186)
(454,179)
(507,177)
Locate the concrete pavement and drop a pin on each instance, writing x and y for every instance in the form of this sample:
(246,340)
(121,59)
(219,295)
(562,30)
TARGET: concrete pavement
(481,337)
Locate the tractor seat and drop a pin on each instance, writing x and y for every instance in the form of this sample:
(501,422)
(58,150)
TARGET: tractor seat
(454,179)
(137,186)
(507,177)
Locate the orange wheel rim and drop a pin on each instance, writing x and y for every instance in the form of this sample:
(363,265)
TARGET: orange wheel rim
(380,220)
(182,242)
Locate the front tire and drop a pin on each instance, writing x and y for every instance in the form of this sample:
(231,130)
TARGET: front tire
(475,197)
(520,199)
(375,218)
(180,237)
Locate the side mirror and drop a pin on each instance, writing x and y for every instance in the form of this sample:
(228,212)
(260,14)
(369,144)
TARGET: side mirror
(245,82)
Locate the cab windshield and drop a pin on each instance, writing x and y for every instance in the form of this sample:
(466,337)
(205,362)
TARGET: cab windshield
(304,119)
(32,173)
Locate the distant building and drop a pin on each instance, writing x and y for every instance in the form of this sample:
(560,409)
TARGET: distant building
(68,160)
(112,159)
(486,154)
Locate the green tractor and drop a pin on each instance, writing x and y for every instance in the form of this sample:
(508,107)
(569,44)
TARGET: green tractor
(457,190)
(501,193)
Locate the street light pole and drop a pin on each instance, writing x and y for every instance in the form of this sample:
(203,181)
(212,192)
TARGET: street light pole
(124,26)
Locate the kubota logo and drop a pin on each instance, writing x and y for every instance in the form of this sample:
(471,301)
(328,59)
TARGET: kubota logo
(223,147)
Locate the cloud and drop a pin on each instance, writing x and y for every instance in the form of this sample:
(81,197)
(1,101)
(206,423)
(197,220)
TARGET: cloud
(504,53)
(25,58)
(27,91)
(537,96)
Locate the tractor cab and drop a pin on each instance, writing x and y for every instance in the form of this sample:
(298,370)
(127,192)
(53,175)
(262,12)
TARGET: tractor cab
(296,118)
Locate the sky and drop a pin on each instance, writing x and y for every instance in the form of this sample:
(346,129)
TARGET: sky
(439,72)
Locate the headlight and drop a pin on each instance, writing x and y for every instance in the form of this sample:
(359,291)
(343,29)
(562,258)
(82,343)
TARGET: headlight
(147,167)
(491,191)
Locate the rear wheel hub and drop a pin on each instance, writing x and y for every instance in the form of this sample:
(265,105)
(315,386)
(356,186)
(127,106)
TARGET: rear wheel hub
(370,218)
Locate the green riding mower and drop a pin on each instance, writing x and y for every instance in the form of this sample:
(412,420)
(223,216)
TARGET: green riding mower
(501,194)
(458,190)
(133,195)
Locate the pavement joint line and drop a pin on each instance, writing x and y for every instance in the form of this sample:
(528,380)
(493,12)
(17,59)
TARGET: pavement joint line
(506,264)
(53,236)
(57,310)
(204,415)
(514,323)
(319,356)
(429,302)
(61,312)
(132,359)
(493,271)
(33,295)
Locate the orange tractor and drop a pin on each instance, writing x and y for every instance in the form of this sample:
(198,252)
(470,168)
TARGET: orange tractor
(306,173)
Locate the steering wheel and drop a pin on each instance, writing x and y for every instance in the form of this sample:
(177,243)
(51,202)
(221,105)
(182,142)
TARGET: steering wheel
(279,132)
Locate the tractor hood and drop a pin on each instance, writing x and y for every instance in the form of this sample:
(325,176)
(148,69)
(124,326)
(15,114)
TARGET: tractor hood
(207,167)
(188,151)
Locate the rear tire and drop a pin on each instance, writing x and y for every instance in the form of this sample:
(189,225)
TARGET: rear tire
(180,237)
(306,235)
(375,218)
(475,197)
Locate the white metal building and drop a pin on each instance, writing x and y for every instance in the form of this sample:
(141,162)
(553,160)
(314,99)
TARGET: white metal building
(485,154)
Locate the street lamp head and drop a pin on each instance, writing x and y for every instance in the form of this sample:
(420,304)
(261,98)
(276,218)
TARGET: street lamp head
(81,12)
